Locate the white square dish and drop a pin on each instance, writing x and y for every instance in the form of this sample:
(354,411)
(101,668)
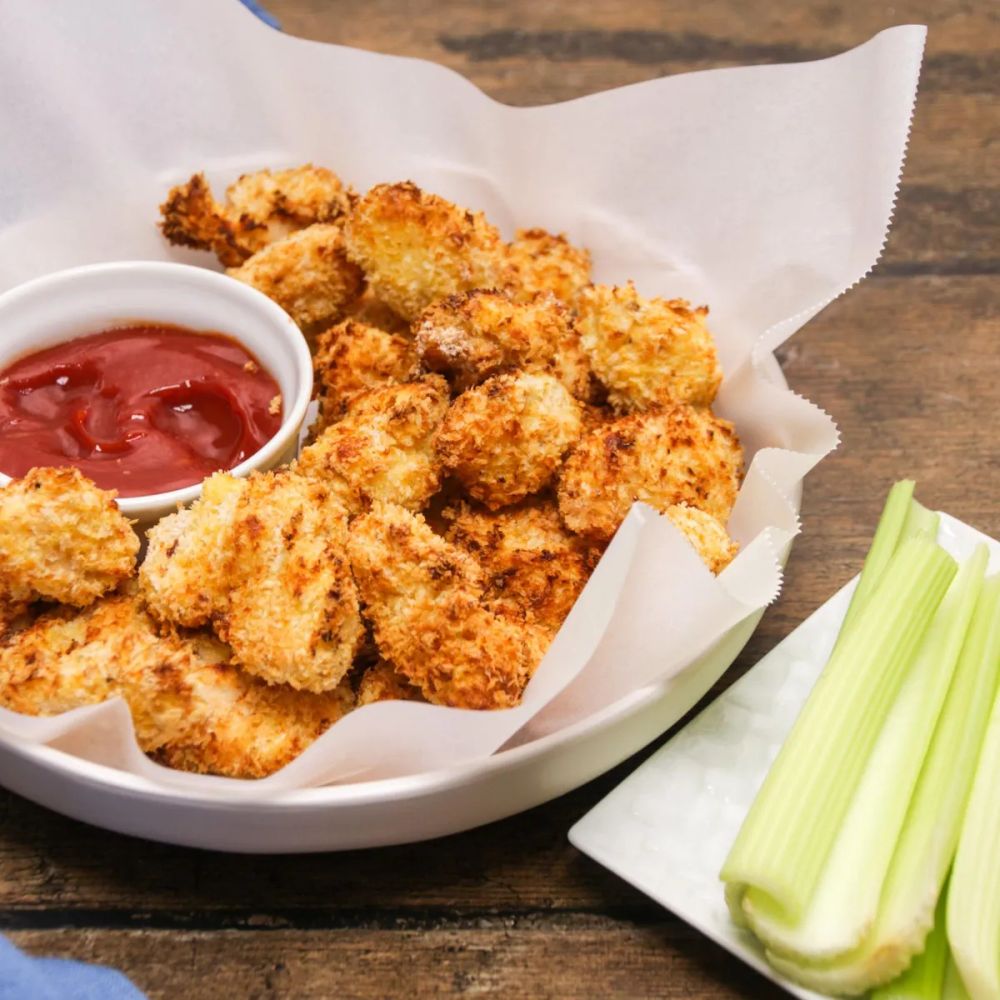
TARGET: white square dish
(667,828)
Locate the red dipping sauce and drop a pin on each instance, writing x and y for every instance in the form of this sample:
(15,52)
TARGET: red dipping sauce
(142,409)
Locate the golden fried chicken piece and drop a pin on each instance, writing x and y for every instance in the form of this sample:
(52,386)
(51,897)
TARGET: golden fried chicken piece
(353,357)
(530,561)
(381,682)
(382,449)
(373,312)
(260,208)
(416,247)
(425,600)
(505,439)
(62,539)
(292,615)
(470,337)
(539,262)
(707,534)
(682,454)
(190,706)
(184,578)
(307,274)
(648,352)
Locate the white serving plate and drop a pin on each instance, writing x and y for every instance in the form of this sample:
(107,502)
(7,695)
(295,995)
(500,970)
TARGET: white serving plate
(667,828)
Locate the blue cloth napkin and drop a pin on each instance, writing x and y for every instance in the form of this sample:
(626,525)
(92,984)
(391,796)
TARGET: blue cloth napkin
(24,978)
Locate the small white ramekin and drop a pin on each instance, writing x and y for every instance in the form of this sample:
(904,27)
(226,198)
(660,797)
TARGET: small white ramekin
(97,297)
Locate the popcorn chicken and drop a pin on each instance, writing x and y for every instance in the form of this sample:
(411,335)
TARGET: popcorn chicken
(382,448)
(537,262)
(61,539)
(470,337)
(707,534)
(307,274)
(530,561)
(506,438)
(679,455)
(292,615)
(648,352)
(260,208)
(191,708)
(353,357)
(184,578)
(426,602)
(416,247)
(381,682)
(374,312)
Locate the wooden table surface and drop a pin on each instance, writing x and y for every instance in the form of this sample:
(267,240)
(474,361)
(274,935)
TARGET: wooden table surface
(907,363)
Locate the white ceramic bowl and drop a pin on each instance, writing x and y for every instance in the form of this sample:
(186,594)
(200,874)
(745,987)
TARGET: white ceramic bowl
(89,299)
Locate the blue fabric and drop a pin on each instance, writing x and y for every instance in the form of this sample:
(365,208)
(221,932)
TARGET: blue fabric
(24,978)
(263,14)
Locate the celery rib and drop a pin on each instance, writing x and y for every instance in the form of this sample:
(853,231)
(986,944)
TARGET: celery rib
(974,898)
(790,829)
(924,979)
(843,908)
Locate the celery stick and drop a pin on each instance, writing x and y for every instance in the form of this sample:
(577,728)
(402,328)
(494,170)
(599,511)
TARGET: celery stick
(843,908)
(888,534)
(974,897)
(930,833)
(787,835)
(953,988)
(924,979)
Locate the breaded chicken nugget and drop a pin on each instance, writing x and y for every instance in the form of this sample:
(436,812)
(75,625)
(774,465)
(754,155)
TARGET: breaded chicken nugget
(470,337)
(530,561)
(190,707)
(505,439)
(679,455)
(416,247)
(539,262)
(707,534)
(425,600)
(382,449)
(374,312)
(307,274)
(184,578)
(62,539)
(292,616)
(381,682)
(648,352)
(260,209)
(353,357)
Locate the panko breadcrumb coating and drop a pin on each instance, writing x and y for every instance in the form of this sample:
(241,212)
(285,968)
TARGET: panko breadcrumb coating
(530,561)
(260,208)
(292,616)
(307,274)
(353,357)
(505,439)
(382,449)
(648,352)
(425,600)
(184,578)
(679,455)
(416,247)
(539,262)
(470,337)
(707,534)
(191,708)
(374,312)
(62,539)
(381,682)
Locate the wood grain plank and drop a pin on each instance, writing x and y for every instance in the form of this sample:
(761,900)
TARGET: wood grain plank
(508,958)
(909,367)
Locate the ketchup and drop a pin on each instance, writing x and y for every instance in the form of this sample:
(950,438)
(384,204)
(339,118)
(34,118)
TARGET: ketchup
(142,409)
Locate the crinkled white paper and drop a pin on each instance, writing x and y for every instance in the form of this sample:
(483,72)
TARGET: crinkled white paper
(764,192)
